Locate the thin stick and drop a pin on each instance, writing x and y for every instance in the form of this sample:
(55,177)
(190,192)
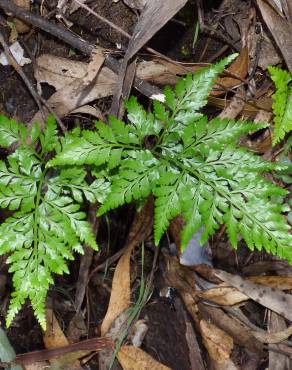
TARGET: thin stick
(126,34)
(13,62)
(58,119)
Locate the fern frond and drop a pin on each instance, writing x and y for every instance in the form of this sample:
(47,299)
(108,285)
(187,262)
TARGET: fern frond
(282,105)
(48,225)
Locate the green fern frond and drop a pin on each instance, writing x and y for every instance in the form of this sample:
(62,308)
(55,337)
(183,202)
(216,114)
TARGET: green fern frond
(48,225)
(282,105)
(190,165)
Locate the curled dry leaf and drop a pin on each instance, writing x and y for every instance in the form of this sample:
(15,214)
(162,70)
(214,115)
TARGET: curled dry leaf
(88,109)
(121,290)
(133,358)
(276,337)
(117,314)
(55,338)
(223,295)
(239,67)
(238,330)
(135,4)
(278,282)
(218,343)
(21,27)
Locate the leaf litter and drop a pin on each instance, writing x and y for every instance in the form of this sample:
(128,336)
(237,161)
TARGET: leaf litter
(220,311)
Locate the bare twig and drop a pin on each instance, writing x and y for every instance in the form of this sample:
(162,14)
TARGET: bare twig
(13,62)
(94,344)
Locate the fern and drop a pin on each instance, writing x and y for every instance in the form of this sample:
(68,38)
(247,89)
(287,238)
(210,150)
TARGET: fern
(282,105)
(47,225)
(191,166)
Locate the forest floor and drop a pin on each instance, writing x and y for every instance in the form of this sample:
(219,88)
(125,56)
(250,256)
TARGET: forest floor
(190,315)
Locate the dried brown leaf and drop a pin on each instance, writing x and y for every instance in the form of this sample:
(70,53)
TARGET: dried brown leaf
(277,337)
(133,358)
(120,295)
(218,343)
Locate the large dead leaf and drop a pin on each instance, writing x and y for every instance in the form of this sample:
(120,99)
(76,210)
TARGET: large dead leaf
(271,298)
(133,358)
(223,294)
(58,72)
(72,79)
(281,30)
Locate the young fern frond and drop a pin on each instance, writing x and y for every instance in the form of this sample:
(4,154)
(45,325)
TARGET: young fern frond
(192,167)
(48,225)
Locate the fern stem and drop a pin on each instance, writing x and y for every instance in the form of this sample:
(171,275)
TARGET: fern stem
(37,203)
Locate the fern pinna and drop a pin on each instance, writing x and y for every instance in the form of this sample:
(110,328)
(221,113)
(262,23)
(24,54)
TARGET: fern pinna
(282,105)
(191,166)
(47,225)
